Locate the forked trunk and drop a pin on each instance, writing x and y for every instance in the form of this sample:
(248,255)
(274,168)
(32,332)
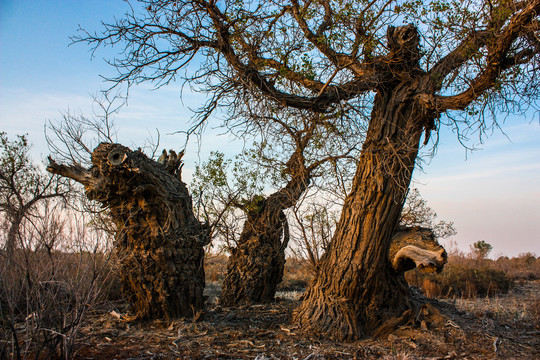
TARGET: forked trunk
(159,242)
(356,290)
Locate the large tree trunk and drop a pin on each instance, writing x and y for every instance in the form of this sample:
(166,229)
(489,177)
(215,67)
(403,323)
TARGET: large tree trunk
(356,289)
(159,241)
(255,267)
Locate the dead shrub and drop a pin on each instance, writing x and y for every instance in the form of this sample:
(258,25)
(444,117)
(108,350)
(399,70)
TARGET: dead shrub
(431,288)
(48,284)
(461,281)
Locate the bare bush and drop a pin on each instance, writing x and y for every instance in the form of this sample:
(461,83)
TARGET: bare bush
(48,285)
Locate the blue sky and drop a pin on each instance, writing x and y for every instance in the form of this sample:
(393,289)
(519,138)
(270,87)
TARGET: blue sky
(492,194)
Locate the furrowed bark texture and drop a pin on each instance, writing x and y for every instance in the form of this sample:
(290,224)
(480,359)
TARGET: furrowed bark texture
(159,241)
(255,267)
(356,290)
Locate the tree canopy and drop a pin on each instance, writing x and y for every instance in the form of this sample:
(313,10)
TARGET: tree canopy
(327,56)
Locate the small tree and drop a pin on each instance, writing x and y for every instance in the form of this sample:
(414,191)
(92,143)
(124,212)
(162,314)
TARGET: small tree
(220,189)
(416,212)
(481,249)
(294,147)
(22,187)
(52,266)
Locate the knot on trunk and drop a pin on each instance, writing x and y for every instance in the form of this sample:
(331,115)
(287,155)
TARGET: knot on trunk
(404,44)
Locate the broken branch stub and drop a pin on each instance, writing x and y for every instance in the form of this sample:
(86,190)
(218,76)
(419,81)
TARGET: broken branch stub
(416,247)
(159,241)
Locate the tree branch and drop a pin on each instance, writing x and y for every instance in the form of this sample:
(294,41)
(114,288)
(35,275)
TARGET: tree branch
(455,59)
(498,60)
(75,172)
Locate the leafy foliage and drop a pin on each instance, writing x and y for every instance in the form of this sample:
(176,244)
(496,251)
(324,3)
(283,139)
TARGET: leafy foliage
(221,189)
(481,249)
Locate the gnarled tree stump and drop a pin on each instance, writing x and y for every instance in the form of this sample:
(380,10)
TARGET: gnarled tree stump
(159,241)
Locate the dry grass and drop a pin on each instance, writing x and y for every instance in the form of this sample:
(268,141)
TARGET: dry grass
(474,329)
(521,304)
(466,277)
(505,325)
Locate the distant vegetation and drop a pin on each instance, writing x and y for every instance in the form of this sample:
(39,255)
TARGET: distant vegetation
(463,277)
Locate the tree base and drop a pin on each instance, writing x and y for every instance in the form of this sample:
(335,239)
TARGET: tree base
(352,316)
(252,276)
(167,282)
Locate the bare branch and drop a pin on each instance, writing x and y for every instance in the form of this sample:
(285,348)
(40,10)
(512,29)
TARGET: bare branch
(75,172)
(498,59)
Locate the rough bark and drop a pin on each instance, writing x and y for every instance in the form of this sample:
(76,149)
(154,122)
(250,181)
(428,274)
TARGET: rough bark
(255,267)
(356,290)
(159,241)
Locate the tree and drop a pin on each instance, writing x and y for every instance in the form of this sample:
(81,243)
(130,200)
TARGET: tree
(476,59)
(219,187)
(257,259)
(23,186)
(158,239)
(481,249)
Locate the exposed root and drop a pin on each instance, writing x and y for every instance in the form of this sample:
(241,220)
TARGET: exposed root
(425,315)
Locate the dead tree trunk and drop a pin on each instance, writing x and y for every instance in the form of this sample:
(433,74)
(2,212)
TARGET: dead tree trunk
(255,267)
(159,241)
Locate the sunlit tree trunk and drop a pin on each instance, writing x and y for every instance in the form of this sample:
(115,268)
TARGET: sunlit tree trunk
(356,290)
